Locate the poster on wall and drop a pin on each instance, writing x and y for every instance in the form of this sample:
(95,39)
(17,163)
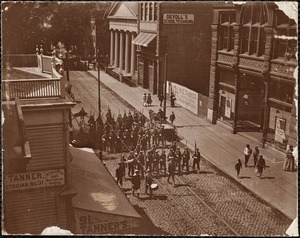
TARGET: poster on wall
(279,129)
(228,108)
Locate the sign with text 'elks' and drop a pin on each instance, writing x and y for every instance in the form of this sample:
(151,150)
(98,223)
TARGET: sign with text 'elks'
(178,18)
(29,180)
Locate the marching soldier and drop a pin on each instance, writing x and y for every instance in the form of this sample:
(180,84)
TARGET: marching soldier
(126,136)
(156,162)
(196,161)
(111,142)
(149,160)
(141,163)
(131,163)
(161,136)
(148,137)
(105,141)
(186,158)
(154,137)
(178,159)
(162,162)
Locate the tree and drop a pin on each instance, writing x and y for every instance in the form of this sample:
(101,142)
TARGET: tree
(26,24)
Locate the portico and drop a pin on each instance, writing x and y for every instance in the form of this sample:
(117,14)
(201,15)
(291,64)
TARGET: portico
(123,30)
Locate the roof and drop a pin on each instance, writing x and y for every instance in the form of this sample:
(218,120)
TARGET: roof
(96,189)
(124,10)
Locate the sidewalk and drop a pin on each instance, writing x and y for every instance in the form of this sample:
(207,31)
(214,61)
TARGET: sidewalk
(222,148)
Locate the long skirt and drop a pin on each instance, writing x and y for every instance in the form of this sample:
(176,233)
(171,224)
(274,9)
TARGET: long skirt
(289,164)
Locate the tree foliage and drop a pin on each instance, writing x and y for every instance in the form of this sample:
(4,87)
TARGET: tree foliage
(26,24)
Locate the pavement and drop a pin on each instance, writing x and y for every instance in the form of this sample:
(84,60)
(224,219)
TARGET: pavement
(222,148)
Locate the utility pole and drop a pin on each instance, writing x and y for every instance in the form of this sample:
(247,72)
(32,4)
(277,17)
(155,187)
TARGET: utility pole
(99,106)
(165,86)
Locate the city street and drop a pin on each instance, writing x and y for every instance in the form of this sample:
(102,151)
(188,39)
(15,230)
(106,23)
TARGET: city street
(206,203)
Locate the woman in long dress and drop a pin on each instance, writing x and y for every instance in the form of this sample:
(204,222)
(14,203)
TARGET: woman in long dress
(289,162)
(260,165)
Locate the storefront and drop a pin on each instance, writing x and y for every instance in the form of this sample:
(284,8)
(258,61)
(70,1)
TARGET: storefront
(252,86)
(100,206)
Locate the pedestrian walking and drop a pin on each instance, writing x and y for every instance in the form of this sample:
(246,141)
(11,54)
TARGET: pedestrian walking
(247,153)
(141,163)
(123,164)
(148,182)
(172,118)
(136,183)
(149,99)
(119,174)
(196,160)
(260,165)
(185,159)
(289,162)
(171,170)
(144,100)
(255,155)
(238,167)
(161,99)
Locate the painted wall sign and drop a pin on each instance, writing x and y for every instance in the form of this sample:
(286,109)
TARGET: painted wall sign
(47,178)
(185,97)
(89,222)
(178,18)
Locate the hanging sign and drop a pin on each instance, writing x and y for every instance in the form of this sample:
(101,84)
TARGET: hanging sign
(39,179)
(279,129)
(178,18)
(228,108)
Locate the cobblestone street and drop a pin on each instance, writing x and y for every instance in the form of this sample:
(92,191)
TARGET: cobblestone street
(189,207)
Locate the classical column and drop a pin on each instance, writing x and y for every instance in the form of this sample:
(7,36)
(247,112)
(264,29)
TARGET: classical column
(121,66)
(112,41)
(116,51)
(127,46)
(133,56)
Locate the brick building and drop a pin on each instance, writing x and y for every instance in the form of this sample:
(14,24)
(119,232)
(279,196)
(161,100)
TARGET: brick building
(252,86)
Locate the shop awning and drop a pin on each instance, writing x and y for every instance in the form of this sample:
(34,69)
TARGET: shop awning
(100,206)
(143,39)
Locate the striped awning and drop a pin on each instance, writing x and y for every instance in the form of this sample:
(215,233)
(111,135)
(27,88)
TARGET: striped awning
(143,39)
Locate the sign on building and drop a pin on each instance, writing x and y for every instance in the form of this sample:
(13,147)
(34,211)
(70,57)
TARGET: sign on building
(185,97)
(90,222)
(29,180)
(279,129)
(178,18)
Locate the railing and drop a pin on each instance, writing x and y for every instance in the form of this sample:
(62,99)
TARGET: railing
(33,88)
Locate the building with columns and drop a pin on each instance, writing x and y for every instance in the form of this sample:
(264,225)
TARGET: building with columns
(252,87)
(123,26)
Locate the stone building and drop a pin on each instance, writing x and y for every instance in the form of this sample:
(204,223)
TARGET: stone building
(123,26)
(252,87)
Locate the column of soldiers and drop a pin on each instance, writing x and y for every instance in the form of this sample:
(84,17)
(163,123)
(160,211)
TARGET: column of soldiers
(132,134)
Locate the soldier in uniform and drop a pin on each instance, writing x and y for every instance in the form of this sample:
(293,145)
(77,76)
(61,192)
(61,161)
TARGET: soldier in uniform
(154,137)
(111,142)
(131,163)
(161,136)
(148,182)
(156,162)
(196,159)
(186,158)
(149,160)
(141,163)
(125,137)
(123,164)
(162,162)
(171,170)
(119,174)
(105,141)
(148,137)
(136,183)
(178,159)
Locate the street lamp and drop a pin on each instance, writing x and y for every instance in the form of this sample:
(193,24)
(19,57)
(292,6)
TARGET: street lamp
(99,105)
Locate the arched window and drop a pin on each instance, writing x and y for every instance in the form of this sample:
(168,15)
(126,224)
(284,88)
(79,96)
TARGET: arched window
(226,20)
(285,36)
(254,18)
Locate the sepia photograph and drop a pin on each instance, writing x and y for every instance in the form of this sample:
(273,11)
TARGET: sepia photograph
(149,118)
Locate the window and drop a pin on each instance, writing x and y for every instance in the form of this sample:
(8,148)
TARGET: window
(282,91)
(227,20)
(142,11)
(254,18)
(285,37)
(151,11)
(155,11)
